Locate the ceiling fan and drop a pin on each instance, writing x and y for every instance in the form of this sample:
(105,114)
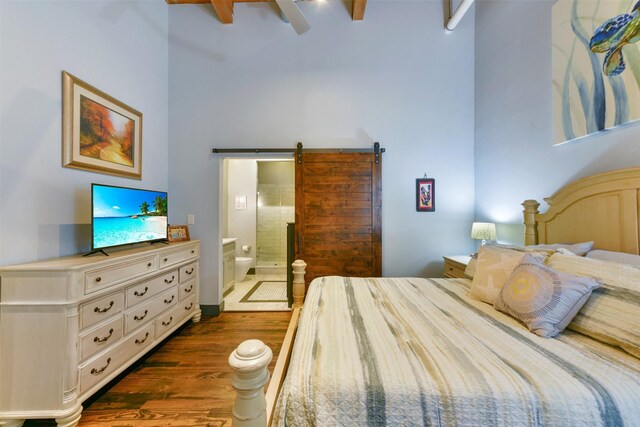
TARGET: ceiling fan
(293,15)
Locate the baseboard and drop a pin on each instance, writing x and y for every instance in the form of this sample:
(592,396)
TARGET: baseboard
(212,310)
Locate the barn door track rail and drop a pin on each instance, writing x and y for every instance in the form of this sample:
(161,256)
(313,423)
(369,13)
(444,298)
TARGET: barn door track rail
(298,150)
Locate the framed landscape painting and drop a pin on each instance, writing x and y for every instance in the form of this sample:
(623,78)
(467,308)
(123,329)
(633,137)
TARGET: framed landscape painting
(596,66)
(99,133)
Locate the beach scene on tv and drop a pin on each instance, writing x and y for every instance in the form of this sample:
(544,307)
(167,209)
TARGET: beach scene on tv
(126,215)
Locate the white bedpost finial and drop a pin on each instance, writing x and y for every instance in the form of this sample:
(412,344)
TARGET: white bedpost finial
(298,282)
(249,363)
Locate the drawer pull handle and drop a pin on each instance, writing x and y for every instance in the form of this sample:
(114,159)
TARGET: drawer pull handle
(189,308)
(189,271)
(98,279)
(190,289)
(140,341)
(95,371)
(103,310)
(169,301)
(167,281)
(149,264)
(96,339)
(136,317)
(167,323)
(139,294)
(193,251)
(166,259)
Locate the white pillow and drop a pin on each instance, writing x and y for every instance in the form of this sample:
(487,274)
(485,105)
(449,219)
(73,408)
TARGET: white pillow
(621,257)
(544,299)
(577,248)
(613,274)
(612,314)
(472,265)
(495,265)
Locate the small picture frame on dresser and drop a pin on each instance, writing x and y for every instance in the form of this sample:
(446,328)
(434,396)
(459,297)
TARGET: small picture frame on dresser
(178,233)
(425,195)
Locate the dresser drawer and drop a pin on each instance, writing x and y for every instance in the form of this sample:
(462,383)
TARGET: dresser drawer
(143,313)
(100,308)
(188,271)
(178,255)
(118,273)
(97,339)
(170,319)
(143,291)
(187,289)
(101,368)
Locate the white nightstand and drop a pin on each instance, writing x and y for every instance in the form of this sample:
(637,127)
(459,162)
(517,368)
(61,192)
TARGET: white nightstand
(454,266)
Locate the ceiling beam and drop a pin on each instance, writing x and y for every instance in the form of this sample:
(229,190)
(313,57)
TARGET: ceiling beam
(357,12)
(224,9)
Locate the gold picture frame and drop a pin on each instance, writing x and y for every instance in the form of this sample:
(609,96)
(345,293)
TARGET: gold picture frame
(99,133)
(178,233)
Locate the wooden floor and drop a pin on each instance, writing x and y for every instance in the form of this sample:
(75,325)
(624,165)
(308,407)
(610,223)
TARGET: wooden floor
(186,382)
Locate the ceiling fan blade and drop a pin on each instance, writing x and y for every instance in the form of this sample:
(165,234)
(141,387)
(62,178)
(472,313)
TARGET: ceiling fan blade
(291,10)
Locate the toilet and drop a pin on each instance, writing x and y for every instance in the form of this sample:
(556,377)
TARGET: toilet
(243,264)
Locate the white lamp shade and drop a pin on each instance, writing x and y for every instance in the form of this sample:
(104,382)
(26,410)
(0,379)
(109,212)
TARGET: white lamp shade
(483,231)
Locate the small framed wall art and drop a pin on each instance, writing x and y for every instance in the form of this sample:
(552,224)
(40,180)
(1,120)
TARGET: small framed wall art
(99,133)
(425,194)
(178,233)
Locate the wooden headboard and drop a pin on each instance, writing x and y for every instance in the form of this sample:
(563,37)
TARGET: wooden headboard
(603,208)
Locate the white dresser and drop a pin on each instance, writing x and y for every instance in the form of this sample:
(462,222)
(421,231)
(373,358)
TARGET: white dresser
(70,325)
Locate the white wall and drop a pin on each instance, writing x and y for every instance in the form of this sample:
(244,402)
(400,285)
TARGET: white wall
(119,47)
(241,223)
(515,159)
(397,77)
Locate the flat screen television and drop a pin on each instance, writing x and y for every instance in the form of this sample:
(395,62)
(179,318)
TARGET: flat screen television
(124,216)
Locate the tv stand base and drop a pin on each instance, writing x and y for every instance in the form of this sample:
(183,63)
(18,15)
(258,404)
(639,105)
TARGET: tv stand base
(95,251)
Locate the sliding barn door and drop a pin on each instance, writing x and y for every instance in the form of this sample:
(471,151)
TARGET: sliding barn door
(338,214)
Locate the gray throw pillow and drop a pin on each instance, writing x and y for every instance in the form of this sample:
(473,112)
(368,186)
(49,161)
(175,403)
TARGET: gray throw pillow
(543,299)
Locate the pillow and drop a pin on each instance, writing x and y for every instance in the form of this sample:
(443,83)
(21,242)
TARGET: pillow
(544,299)
(578,248)
(620,257)
(612,314)
(470,269)
(495,264)
(612,274)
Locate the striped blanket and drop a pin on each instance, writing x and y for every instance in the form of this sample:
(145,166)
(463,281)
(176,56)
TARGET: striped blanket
(407,352)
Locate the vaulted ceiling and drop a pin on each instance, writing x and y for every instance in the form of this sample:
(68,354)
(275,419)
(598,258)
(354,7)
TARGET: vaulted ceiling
(224,8)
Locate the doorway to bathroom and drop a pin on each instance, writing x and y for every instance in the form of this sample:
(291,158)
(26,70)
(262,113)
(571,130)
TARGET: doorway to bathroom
(258,201)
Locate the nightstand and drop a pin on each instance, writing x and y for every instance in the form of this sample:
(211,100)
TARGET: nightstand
(454,266)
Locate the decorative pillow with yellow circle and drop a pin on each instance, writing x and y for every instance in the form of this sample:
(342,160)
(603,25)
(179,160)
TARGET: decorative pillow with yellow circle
(543,299)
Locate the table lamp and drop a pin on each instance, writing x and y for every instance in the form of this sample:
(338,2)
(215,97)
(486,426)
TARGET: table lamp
(483,231)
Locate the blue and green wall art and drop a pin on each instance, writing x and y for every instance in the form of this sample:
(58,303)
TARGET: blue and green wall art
(596,66)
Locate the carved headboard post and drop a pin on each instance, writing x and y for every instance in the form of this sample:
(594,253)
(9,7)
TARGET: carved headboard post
(530,224)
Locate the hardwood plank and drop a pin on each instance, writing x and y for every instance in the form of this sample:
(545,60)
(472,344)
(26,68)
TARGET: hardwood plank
(337,179)
(355,187)
(333,197)
(337,157)
(337,238)
(339,228)
(187,380)
(337,204)
(336,168)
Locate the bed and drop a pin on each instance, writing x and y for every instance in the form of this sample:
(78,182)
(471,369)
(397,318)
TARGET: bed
(410,351)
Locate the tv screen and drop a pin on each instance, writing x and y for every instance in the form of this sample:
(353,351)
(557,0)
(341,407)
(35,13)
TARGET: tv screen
(122,216)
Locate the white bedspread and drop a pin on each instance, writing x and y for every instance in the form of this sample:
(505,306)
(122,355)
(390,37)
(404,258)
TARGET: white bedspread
(406,352)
